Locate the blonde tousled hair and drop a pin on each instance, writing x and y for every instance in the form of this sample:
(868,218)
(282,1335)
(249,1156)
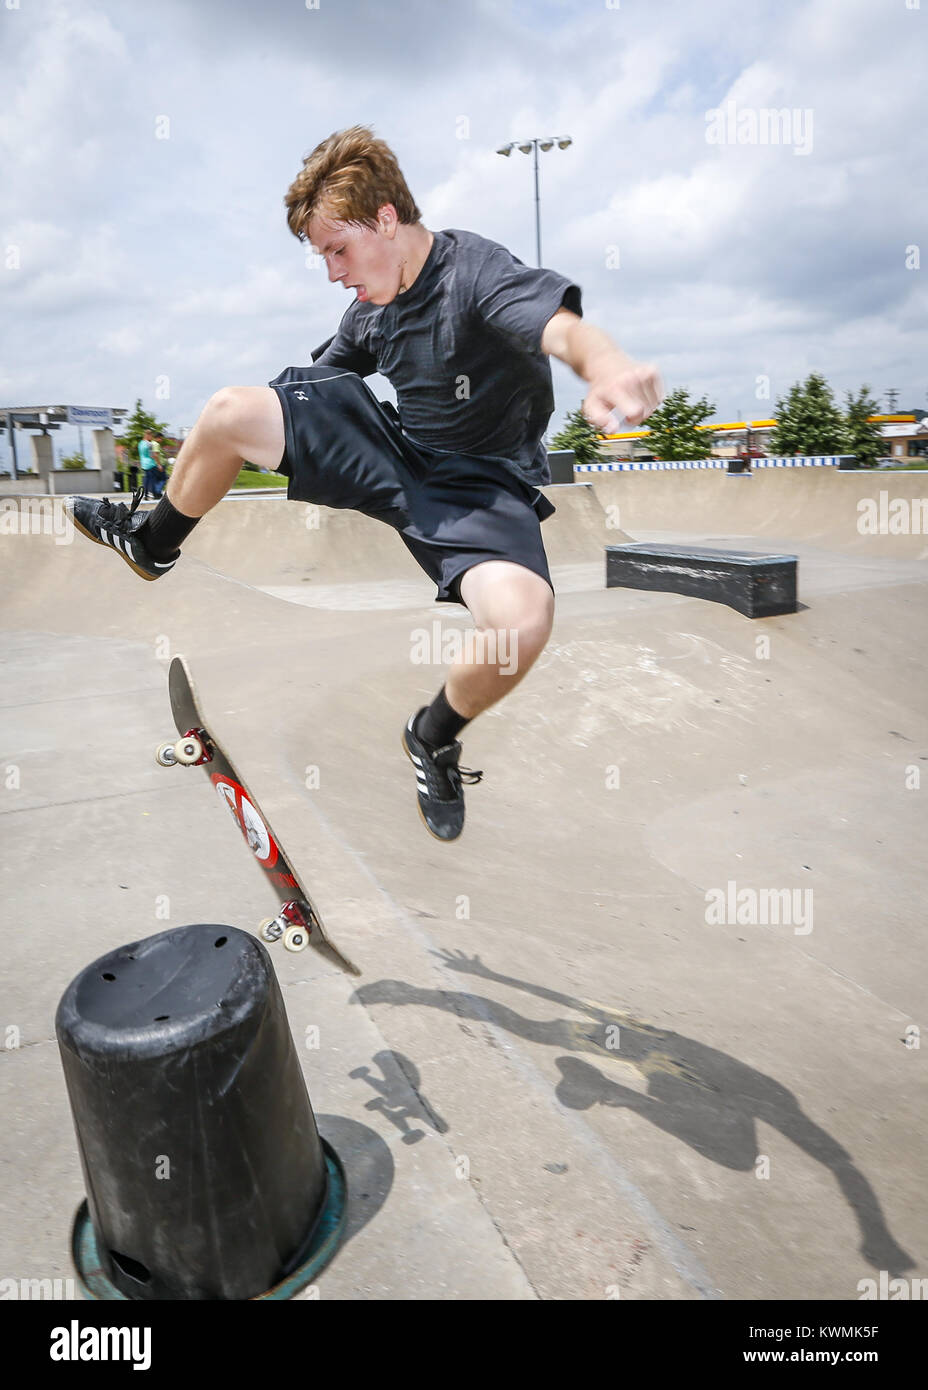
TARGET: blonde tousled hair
(347,178)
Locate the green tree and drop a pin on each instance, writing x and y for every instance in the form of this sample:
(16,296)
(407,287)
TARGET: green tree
(862,438)
(134,427)
(673,427)
(808,421)
(580,436)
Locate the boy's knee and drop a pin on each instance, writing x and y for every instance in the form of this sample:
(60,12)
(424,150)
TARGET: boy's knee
(526,629)
(518,608)
(532,635)
(226,407)
(248,419)
(537,619)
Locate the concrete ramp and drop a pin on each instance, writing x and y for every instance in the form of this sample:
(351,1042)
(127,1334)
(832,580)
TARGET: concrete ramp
(270,540)
(658,993)
(833,509)
(327,558)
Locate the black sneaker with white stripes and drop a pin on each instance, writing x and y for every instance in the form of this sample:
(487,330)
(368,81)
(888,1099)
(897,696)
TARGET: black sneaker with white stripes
(116,525)
(438,782)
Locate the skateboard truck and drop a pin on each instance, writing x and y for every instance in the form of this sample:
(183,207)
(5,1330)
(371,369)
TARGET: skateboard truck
(191,750)
(294,922)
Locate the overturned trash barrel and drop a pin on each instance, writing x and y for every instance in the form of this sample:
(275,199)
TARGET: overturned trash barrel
(205,1174)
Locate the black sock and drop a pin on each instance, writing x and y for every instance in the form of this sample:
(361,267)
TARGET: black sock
(164,529)
(439,723)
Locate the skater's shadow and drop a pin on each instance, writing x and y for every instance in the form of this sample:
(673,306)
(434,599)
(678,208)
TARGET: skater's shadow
(400,1076)
(704,1097)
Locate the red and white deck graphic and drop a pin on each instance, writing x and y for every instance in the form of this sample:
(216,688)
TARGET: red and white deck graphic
(260,841)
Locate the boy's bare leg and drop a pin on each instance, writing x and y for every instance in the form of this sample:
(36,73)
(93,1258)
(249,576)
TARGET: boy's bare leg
(513,611)
(237,422)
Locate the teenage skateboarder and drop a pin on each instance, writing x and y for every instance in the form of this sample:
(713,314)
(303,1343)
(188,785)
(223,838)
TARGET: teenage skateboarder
(462,330)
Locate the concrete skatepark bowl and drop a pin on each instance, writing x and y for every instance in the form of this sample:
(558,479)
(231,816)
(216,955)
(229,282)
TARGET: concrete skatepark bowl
(647,1027)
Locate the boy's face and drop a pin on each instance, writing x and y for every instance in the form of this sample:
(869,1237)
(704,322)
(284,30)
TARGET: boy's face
(361,259)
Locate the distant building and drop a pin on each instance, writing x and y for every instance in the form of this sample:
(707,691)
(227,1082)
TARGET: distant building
(730,440)
(906,439)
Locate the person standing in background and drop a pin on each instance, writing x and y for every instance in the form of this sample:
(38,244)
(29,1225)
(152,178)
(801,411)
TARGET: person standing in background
(127,467)
(161,468)
(148,463)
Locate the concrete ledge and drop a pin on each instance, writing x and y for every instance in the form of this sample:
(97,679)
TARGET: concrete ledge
(60,481)
(759,586)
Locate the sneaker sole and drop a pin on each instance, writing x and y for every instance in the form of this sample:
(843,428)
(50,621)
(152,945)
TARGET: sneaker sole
(143,574)
(442,839)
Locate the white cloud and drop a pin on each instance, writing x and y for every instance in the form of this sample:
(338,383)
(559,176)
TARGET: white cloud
(260,291)
(122,342)
(62,269)
(143,257)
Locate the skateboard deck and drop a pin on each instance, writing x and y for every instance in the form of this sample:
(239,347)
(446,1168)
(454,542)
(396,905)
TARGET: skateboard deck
(297,921)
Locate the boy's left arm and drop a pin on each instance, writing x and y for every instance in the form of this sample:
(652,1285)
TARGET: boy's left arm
(617,382)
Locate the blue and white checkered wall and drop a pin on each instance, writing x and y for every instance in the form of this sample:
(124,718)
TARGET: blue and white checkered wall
(800,461)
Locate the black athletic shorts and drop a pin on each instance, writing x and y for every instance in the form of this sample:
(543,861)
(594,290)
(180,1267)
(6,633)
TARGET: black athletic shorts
(345,448)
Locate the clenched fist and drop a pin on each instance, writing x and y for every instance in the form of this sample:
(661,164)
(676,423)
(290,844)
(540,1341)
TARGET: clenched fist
(622,388)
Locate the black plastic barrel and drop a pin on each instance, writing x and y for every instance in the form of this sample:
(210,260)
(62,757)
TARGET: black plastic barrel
(204,1170)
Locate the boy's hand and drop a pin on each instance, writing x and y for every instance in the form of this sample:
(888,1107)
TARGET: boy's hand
(620,386)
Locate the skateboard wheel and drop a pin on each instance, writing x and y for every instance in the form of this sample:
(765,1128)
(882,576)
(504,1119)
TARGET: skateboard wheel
(270,929)
(296,938)
(165,755)
(188,750)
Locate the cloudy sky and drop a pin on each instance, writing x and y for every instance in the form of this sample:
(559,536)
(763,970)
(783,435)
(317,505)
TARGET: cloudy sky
(145,149)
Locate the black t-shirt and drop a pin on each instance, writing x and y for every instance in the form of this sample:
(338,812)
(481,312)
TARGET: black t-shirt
(461,348)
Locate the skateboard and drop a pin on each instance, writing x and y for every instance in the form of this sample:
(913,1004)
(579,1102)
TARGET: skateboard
(297,922)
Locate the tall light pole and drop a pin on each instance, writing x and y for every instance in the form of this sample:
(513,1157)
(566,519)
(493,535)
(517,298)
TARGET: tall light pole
(527,147)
